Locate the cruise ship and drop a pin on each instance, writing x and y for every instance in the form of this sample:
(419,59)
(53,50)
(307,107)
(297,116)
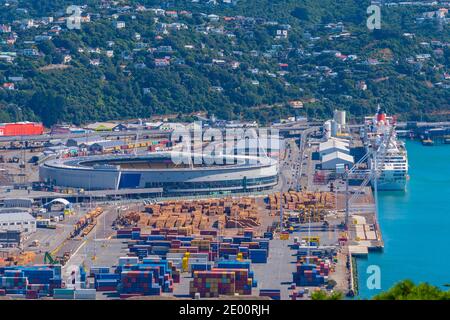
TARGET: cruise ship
(392,158)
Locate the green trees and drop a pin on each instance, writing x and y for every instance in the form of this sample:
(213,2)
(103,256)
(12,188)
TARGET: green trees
(403,290)
(323,295)
(118,88)
(48,106)
(407,290)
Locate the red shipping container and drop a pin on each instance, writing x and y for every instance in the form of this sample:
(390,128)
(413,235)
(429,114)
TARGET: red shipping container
(21,129)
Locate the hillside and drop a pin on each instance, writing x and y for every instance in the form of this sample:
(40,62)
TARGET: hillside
(239,61)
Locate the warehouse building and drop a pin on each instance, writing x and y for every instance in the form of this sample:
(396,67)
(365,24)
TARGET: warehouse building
(10,238)
(21,129)
(330,161)
(107,146)
(17,221)
(84,141)
(332,146)
(17,203)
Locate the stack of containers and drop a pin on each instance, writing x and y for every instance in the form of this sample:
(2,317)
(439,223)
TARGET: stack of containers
(248,233)
(227,249)
(40,279)
(176,274)
(13,282)
(243,282)
(199,267)
(35,291)
(161,270)
(82,273)
(324,269)
(31,294)
(127,233)
(258,255)
(128,260)
(106,281)
(39,274)
(97,270)
(211,284)
(232,265)
(244,251)
(138,282)
(268,235)
(307,275)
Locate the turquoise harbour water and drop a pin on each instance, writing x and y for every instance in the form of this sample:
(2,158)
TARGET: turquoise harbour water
(415,224)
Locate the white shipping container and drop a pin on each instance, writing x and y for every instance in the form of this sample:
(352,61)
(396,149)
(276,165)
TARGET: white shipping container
(128,260)
(85,294)
(174,255)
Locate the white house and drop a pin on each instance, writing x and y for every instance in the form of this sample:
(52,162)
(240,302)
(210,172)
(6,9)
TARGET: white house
(119,24)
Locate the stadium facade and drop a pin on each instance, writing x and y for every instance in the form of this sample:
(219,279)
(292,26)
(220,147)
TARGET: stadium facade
(233,174)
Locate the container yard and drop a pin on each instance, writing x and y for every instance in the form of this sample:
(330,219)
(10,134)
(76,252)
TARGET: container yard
(280,244)
(196,249)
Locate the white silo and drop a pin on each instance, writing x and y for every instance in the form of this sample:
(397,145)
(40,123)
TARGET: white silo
(339,116)
(334,128)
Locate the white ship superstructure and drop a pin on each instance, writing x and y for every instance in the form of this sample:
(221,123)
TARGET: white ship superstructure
(391,159)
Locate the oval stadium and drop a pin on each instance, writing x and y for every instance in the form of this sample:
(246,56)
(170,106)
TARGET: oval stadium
(233,173)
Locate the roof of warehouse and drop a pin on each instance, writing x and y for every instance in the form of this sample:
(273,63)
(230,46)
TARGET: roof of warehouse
(16,216)
(332,143)
(102,125)
(337,155)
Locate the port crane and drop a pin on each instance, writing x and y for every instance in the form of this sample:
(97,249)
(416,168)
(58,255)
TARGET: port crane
(378,156)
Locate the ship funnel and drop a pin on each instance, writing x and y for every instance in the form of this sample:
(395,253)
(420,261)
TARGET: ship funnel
(381,116)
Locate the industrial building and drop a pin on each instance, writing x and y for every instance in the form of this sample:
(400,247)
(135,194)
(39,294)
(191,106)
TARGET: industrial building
(84,141)
(17,221)
(332,146)
(21,129)
(17,203)
(10,238)
(331,160)
(158,171)
(106,146)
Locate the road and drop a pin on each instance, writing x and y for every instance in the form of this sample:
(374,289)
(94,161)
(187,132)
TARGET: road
(303,143)
(293,166)
(98,248)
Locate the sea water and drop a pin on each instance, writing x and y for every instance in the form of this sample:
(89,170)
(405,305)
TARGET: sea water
(415,225)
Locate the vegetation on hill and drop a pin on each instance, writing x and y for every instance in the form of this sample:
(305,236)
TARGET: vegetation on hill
(270,72)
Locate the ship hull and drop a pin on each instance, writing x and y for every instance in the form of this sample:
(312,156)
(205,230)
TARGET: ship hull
(391,186)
